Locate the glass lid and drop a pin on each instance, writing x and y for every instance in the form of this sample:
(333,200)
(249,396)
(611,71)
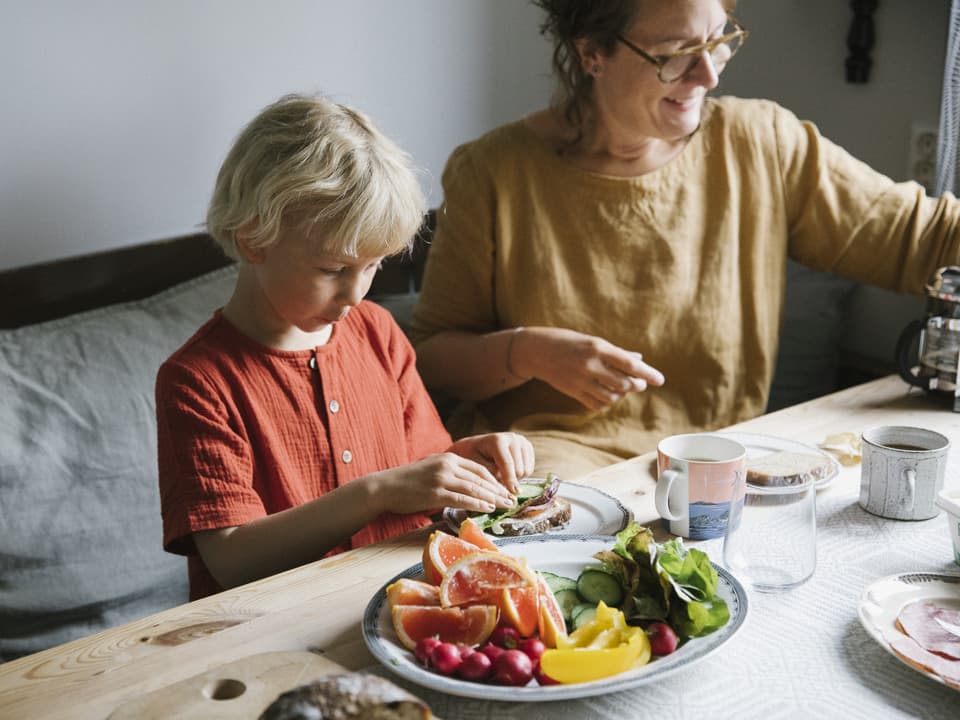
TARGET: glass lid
(945,284)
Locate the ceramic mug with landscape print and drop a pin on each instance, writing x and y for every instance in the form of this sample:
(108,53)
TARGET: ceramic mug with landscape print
(696,477)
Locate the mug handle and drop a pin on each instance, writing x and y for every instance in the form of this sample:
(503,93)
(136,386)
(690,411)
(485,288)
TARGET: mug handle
(910,475)
(903,355)
(662,496)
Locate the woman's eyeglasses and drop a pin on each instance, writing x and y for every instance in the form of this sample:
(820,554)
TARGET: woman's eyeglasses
(675,66)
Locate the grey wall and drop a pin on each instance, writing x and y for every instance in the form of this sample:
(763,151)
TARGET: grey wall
(117,113)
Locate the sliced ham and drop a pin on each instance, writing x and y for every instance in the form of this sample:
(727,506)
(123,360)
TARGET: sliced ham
(932,627)
(911,652)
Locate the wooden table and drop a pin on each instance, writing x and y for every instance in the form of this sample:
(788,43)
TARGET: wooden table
(319,606)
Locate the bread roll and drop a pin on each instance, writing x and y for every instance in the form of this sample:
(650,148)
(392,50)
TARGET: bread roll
(787,468)
(348,696)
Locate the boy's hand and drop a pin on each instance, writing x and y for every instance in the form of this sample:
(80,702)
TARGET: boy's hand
(507,455)
(444,480)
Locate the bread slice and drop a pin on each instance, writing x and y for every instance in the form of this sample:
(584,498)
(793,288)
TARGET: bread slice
(555,515)
(348,696)
(787,468)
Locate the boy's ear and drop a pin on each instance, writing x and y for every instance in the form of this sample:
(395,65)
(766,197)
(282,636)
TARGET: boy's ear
(252,255)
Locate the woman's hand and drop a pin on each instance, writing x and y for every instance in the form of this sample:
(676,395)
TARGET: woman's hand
(444,480)
(507,455)
(589,369)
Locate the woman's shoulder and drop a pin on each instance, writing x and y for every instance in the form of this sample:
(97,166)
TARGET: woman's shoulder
(751,116)
(503,136)
(503,159)
(503,145)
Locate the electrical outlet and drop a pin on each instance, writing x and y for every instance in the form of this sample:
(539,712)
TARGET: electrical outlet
(922,158)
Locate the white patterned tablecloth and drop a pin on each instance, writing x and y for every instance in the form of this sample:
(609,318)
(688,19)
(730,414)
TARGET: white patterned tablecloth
(800,654)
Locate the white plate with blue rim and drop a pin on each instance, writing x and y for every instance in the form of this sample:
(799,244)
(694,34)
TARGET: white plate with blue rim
(564,555)
(592,512)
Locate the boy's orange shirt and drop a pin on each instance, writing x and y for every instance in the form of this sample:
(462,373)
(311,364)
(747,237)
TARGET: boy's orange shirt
(245,430)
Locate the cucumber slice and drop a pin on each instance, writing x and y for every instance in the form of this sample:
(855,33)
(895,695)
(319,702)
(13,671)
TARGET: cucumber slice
(558,582)
(582,614)
(529,490)
(550,577)
(567,599)
(595,585)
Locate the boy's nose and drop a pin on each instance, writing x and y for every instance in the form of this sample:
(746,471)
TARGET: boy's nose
(353,291)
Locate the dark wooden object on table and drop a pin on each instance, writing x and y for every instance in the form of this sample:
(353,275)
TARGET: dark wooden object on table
(860,41)
(50,290)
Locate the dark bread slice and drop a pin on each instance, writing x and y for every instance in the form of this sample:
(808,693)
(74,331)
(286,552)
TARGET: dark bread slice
(348,696)
(787,468)
(556,514)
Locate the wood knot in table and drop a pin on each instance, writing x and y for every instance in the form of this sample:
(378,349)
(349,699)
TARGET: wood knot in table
(181,635)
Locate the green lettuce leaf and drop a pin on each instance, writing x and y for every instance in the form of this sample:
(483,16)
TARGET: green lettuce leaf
(665,581)
(694,619)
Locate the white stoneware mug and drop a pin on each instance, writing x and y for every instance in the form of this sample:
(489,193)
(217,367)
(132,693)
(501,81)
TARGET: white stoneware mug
(696,476)
(902,471)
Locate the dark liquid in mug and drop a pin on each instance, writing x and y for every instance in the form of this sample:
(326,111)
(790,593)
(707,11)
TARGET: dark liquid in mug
(903,446)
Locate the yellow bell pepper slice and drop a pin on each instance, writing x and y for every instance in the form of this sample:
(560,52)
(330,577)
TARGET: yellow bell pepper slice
(578,665)
(603,629)
(605,646)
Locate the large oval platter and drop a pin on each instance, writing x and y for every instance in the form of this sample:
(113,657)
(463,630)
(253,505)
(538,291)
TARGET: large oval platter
(564,555)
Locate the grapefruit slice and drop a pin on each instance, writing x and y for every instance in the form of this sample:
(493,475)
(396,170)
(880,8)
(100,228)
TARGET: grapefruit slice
(550,618)
(467,626)
(406,591)
(520,608)
(471,532)
(441,551)
(481,578)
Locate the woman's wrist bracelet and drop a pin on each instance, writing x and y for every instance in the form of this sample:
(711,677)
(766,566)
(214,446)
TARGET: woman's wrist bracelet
(509,363)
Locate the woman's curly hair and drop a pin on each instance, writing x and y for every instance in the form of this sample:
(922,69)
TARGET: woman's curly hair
(599,22)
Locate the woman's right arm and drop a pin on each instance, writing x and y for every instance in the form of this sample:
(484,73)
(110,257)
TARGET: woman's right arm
(461,344)
(470,366)
(589,369)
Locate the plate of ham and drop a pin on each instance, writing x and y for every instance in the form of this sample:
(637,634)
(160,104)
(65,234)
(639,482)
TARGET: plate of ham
(916,618)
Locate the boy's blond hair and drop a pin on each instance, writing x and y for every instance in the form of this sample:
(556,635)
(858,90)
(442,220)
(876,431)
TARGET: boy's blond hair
(323,170)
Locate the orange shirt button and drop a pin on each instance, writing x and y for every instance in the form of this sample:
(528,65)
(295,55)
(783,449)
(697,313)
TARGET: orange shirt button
(334,406)
(347,456)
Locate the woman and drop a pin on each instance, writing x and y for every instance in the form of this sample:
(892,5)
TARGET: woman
(638,227)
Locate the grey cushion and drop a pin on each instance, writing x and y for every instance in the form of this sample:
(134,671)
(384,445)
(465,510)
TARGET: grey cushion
(80,536)
(814,321)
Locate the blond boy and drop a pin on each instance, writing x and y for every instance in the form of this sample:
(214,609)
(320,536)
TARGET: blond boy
(293,424)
